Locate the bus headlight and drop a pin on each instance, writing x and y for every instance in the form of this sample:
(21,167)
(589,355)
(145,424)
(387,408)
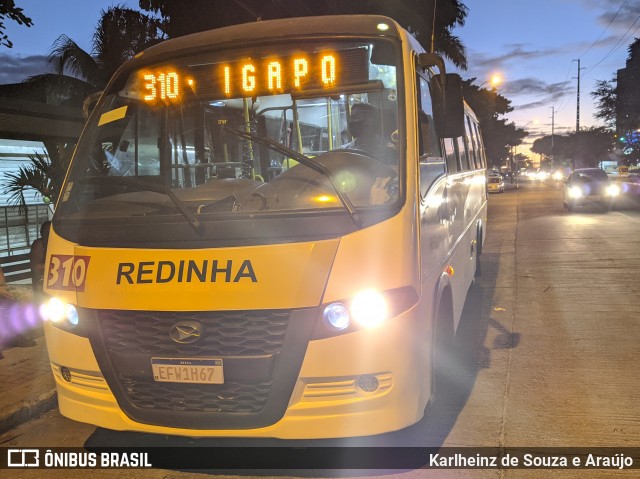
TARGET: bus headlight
(613,190)
(337,316)
(365,310)
(369,308)
(575,192)
(59,312)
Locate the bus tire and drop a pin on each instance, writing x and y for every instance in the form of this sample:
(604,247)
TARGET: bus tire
(443,346)
(478,271)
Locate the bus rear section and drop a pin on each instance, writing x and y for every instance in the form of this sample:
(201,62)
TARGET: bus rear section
(236,250)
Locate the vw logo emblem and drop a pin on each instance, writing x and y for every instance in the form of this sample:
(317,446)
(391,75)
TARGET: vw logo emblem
(186,332)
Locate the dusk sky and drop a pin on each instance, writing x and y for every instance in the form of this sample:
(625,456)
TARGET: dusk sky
(532,44)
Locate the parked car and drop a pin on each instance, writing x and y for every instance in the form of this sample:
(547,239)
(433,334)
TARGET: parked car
(495,184)
(588,185)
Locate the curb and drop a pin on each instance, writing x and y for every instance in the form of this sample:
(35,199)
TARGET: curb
(24,411)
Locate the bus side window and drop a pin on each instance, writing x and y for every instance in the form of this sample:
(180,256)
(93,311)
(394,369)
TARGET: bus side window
(451,155)
(463,153)
(429,143)
(471,141)
(483,162)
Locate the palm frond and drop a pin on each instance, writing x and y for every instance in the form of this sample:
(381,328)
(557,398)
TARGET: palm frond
(66,55)
(121,33)
(34,177)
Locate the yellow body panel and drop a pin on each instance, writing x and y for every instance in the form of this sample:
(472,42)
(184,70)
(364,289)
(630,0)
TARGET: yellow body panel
(276,276)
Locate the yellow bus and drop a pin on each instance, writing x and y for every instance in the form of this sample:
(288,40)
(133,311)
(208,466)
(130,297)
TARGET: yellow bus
(267,230)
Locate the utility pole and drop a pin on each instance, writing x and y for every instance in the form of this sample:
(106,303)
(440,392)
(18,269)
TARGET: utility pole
(553,118)
(578,98)
(433,27)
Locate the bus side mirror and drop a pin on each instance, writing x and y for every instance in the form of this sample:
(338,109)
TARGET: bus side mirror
(448,106)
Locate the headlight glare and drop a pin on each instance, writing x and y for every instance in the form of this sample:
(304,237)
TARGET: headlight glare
(575,192)
(369,308)
(55,310)
(613,190)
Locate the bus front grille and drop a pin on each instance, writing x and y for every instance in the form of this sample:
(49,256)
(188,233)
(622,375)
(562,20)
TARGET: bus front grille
(261,352)
(230,398)
(233,333)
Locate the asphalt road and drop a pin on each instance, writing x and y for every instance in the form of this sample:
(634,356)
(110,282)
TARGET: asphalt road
(549,350)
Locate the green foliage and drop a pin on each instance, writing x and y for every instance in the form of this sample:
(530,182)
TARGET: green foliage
(120,34)
(606,98)
(9,10)
(44,175)
(415,15)
(498,135)
(583,149)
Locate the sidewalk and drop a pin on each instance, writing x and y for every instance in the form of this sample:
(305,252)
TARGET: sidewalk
(27,388)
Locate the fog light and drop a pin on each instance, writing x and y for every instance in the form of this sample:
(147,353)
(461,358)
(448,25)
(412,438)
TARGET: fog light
(66,374)
(336,315)
(368,383)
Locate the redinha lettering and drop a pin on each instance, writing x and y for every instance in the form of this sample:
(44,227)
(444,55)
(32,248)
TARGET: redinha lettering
(186,271)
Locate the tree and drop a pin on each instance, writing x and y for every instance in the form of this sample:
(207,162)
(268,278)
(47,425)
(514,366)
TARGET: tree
(121,33)
(585,148)
(498,135)
(606,98)
(415,15)
(44,175)
(9,10)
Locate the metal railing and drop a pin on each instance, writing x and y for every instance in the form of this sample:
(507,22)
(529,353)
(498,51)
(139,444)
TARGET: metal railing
(18,229)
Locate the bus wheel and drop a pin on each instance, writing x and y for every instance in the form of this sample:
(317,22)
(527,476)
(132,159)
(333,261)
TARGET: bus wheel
(478,252)
(443,348)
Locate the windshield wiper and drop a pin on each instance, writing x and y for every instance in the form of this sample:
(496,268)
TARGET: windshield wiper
(155,187)
(305,160)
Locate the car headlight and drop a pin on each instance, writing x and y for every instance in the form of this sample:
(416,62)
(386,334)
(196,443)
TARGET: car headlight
(60,312)
(575,192)
(557,176)
(613,190)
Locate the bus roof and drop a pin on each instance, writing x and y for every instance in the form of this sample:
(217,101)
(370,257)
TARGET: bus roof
(347,25)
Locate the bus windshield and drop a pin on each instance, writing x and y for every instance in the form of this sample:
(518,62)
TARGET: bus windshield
(242,132)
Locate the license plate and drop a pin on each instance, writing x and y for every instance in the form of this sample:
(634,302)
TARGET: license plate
(177,370)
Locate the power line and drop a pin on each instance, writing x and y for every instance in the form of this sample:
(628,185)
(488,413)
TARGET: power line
(606,28)
(617,45)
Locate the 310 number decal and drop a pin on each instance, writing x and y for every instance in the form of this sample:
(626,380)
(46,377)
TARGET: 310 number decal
(67,272)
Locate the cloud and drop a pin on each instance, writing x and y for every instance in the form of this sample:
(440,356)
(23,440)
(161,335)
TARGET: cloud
(615,16)
(534,86)
(517,52)
(551,93)
(17,69)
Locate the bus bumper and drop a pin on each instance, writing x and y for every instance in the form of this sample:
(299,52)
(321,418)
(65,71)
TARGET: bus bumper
(328,400)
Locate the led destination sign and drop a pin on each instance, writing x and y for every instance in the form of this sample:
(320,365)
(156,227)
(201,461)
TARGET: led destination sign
(271,75)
